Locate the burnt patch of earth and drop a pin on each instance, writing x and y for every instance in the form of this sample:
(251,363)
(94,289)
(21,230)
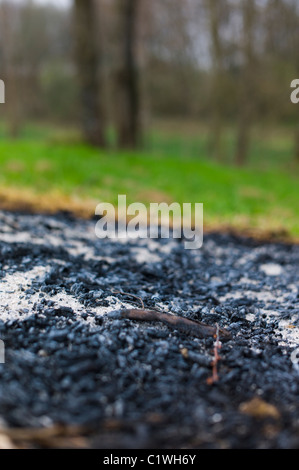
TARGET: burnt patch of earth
(69,362)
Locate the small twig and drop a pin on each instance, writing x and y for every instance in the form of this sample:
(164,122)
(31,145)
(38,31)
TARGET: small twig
(189,327)
(217,346)
(114,291)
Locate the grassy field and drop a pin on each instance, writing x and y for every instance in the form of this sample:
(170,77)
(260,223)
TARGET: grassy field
(49,169)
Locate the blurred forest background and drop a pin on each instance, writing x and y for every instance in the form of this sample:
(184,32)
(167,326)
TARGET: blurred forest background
(162,100)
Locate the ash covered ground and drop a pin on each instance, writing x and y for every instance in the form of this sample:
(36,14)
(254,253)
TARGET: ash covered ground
(128,384)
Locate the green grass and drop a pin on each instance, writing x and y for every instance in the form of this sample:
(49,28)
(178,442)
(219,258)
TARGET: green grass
(173,167)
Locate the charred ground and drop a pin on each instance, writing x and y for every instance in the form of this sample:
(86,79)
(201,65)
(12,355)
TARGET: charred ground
(74,370)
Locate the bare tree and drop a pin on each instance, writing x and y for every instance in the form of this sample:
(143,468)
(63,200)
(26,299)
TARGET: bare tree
(246,84)
(294,47)
(89,71)
(214,11)
(9,66)
(128,118)
(282,43)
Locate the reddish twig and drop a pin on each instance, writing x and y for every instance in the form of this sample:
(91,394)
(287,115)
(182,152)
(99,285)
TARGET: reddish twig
(217,346)
(190,327)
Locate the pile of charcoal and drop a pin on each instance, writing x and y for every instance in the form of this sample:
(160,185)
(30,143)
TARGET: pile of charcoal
(70,359)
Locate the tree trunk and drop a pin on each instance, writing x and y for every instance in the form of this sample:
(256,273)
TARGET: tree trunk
(216,99)
(13,104)
(243,139)
(246,100)
(15,121)
(89,73)
(128,119)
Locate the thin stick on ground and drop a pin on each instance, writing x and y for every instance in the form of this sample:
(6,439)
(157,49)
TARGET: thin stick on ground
(217,346)
(130,295)
(189,327)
